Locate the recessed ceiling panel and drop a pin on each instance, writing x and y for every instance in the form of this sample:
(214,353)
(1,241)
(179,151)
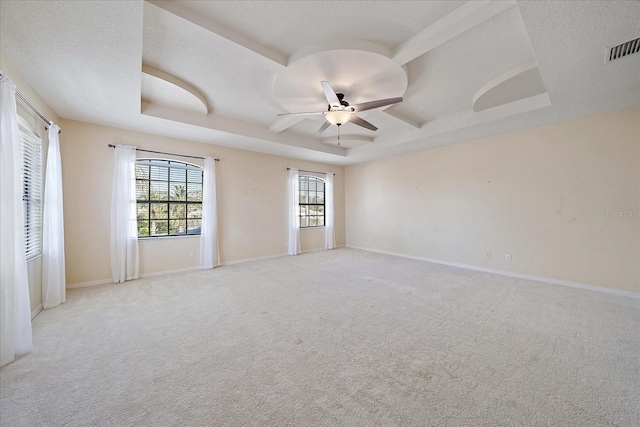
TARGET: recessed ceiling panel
(227,75)
(445,80)
(156,90)
(289,26)
(361,76)
(521,82)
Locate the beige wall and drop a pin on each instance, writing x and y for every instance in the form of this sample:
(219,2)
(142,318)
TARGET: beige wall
(252,203)
(540,195)
(34,266)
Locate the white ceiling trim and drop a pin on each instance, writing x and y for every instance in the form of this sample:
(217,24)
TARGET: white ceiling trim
(275,59)
(402,120)
(202,107)
(236,127)
(463,120)
(520,82)
(285,122)
(457,22)
(347,141)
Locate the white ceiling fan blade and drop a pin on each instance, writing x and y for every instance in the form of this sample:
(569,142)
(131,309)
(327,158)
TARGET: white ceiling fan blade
(361,122)
(324,127)
(330,94)
(376,104)
(300,114)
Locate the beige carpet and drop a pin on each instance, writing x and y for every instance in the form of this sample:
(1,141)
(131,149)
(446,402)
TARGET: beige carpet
(340,338)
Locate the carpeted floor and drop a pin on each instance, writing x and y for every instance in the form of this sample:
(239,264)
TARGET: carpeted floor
(340,338)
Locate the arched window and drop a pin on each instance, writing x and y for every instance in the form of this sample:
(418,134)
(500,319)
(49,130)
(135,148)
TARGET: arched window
(311,201)
(169,198)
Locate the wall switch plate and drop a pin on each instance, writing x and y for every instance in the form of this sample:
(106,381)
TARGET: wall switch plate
(508,257)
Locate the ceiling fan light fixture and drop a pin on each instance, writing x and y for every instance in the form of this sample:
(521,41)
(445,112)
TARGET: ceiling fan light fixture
(340,112)
(338,117)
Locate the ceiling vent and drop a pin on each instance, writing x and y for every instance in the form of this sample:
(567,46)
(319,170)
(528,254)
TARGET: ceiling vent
(622,50)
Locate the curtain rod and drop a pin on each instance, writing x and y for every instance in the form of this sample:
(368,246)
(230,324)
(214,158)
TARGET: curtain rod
(302,170)
(169,154)
(47,121)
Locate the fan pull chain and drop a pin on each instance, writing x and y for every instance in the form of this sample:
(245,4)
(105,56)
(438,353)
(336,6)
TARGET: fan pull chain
(338,135)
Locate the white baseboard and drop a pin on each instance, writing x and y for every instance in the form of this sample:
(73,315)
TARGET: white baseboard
(91,283)
(260,258)
(141,276)
(320,249)
(35,311)
(508,273)
(308,251)
(240,261)
(163,272)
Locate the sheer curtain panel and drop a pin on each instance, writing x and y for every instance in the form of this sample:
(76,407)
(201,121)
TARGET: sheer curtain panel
(15,307)
(329,213)
(209,254)
(124,227)
(294,217)
(53,277)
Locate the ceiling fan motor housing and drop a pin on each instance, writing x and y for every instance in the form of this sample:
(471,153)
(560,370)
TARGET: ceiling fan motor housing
(341,99)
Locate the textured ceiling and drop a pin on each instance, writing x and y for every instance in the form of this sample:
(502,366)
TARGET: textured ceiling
(287,28)
(220,72)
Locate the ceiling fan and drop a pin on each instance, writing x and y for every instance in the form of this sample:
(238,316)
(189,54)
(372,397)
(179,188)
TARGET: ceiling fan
(340,112)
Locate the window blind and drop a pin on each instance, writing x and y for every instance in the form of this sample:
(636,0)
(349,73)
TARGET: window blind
(31,152)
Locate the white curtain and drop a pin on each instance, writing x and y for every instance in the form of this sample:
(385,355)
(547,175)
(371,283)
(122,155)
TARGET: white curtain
(124,227)
(329,213)
(53,275)
(15,307)
(294,217)
(209,253)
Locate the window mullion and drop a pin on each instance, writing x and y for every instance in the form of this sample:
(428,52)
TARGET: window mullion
(168,199)
(166,173)
(305,204)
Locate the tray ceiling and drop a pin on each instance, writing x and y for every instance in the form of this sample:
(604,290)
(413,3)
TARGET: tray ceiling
(220,72)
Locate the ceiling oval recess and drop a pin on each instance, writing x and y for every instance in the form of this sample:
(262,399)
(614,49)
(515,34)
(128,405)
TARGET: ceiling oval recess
(521,82)
(161,88)
(362,71)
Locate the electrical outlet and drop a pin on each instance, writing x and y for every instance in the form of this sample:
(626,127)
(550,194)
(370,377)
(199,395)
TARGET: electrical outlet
(488,255)
(508,257)
(192,253)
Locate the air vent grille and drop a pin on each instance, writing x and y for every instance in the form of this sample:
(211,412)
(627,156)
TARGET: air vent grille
(622,50)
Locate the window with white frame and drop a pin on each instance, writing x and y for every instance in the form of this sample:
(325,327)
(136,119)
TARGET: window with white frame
(168,198)
(311,202)
(31,156)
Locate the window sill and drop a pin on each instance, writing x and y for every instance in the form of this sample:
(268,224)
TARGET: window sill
(185,236)
(312,228)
